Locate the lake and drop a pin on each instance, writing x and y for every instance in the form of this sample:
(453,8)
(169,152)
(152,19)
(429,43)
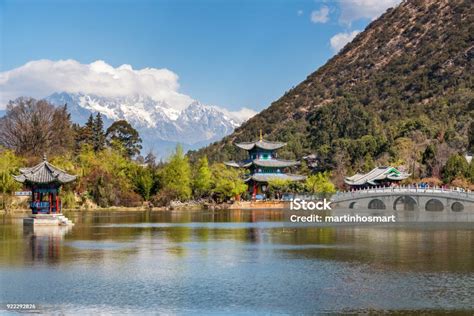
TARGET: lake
(236,262)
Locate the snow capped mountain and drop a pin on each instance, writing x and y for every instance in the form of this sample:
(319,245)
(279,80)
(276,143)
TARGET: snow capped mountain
(159,125)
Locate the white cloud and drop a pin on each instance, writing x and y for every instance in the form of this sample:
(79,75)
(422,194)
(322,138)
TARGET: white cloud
(299,12)
(340,40)
(321,15)
(353,10)
(41,78)
(242,115)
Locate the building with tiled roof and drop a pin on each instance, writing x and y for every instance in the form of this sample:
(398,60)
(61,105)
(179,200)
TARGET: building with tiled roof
(263,165)
(44,180)
(380,176)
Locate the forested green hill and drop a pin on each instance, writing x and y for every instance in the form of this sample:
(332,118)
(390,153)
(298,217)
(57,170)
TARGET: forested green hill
(399,93)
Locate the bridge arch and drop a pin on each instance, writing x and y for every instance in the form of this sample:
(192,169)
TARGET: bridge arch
(434,205)
(404,203)
(376,204)
(354,205)
(457,207)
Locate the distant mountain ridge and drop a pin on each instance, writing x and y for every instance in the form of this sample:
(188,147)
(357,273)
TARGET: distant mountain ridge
(404,83)
(160,126)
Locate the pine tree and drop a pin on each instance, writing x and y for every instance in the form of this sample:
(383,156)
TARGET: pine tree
(429,159)
(122,134)
(203,178)
(84,134)
(90,123)
(98,141)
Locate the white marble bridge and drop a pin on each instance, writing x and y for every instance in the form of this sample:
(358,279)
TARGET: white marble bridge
(408,198)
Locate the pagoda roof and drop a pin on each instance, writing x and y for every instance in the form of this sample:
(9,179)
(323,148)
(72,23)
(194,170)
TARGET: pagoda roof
(44,173)
(265,177)
(262,144)
(376,174)
(276,163)
(238,164)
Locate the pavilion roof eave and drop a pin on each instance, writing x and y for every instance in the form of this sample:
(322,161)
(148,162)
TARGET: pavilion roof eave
(238,164)
(277,176)
(44,173)
(376,174)
(272,163)
(275,163)
(262,144)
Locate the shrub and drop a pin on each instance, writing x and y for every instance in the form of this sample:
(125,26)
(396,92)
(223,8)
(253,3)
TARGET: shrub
(163,197)
(68,199)
(129,199)
(455,167)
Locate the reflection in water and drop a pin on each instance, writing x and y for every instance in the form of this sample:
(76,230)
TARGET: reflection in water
(44,242)
(252,261)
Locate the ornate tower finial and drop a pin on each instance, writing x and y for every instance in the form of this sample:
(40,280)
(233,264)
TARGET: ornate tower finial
(261,136)
(44,157)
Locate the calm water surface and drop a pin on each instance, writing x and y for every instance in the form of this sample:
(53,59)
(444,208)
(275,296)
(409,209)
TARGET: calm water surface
(236,262)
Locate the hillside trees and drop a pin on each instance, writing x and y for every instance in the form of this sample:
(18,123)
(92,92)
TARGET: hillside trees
(227,182)
(456,167)
(277,187)
(320,183)
(98,135)
(176,175)
(123,134)
(9,165)
(202,179)
(470,172)
(471,137)
(405,88)
(92,133)
(107,174)
(35,127)
(143,181)
(107,177)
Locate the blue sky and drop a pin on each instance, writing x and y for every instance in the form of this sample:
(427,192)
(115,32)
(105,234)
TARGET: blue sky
(228,53)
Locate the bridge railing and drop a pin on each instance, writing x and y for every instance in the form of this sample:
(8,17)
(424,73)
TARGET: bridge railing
(454,192)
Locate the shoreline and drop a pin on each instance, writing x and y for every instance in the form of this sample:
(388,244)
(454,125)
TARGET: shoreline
(240,205)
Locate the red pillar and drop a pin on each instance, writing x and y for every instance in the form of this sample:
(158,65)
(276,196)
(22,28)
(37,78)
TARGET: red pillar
(57,203)
(32,206)
(50,198)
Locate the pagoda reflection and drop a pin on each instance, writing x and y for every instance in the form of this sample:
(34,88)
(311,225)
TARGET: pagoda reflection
(44,242)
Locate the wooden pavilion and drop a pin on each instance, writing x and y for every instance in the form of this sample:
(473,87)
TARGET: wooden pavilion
(45,180)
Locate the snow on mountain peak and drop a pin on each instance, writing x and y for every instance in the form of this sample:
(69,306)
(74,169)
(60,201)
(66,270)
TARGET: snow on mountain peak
(156,121)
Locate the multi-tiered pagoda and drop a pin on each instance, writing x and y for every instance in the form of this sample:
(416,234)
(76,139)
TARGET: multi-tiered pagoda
(44,180)
(263,165)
